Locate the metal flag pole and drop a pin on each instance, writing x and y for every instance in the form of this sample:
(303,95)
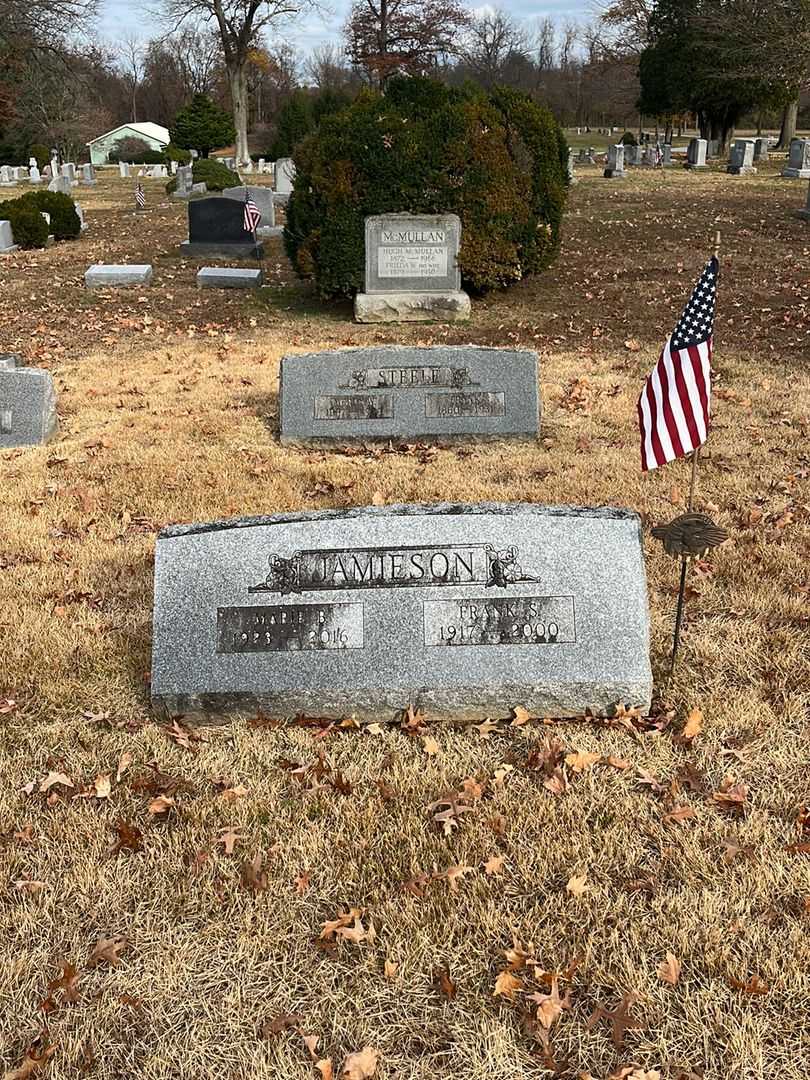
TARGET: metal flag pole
(689,536)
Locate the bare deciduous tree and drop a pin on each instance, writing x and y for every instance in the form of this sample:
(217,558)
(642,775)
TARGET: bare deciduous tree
(241,24)
(386,37)
(492,40)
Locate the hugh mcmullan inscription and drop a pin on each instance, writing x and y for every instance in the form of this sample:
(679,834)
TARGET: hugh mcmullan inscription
(463,610)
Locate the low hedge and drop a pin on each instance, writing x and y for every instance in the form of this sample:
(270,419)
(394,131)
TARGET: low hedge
(498,161)
(28,226)
(65,222)
(212,173)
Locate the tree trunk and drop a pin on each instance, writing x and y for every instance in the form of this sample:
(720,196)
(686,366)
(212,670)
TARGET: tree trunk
(790,118)
(237,80)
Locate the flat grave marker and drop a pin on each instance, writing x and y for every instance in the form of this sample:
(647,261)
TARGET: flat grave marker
(408,393)
(462,611)
(105,275)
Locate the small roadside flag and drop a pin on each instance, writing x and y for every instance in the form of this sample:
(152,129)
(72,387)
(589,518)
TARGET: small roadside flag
(673,409)
(252,216)
(140,198)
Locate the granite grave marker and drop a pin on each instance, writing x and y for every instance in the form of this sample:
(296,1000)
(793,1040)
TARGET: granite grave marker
(463,611)
(27,404)
(412,273)
(409,393)
(798,166)
(216,228)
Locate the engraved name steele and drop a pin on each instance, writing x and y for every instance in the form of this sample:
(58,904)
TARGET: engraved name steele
(476,620)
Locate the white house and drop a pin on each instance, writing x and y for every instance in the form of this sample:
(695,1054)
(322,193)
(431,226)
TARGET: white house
(154,135)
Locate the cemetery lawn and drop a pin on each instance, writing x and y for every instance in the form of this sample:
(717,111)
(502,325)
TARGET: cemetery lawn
(166,895)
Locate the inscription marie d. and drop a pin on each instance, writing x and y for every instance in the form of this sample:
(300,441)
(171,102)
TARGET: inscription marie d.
(390,568)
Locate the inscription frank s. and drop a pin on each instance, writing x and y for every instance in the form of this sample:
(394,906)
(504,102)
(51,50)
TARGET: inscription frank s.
(519,620)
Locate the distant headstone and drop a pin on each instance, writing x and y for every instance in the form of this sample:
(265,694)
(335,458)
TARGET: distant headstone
(798,166)
(61,183)
(7,244)
(88,175)
(615,162)
(216,228)
(6,177)
(69,171)
(228,277)
(696,154)
(412,394)
(713,148)
(123,170)
(741,160)
(666,155)
(762,149)
(412,273)
(285,176)
(27,405)
(462,611)
(185,182)
(805,213)
(571,175)
(34,175)
(9,361)
(80,215)
(262,197)
(101,275)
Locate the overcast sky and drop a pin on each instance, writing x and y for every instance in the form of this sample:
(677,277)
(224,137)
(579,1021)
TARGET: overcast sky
(122,17)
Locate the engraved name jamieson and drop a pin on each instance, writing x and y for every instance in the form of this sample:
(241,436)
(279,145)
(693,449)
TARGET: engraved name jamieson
(387,568)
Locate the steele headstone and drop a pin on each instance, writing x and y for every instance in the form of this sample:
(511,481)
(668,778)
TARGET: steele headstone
(27,406)
(412,273)
(409,393)
(462,611)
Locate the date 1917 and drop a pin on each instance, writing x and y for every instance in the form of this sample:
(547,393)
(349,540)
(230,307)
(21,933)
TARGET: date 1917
(522,620)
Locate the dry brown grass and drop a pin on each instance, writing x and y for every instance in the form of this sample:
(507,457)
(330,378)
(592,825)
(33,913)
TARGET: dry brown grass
(163,428)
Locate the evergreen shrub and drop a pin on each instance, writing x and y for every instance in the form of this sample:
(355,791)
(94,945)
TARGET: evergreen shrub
(65,222)
(498,161)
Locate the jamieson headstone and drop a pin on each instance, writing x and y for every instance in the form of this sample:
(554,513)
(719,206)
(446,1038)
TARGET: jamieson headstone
(409,393)
(27,404)
(412,273)
(463,611)
(216,228)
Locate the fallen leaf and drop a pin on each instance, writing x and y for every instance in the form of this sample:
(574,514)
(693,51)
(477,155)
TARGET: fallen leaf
(55,778)
(277,1025)
(231,793)
(494,864)
(302,883)
(378,499)
(228,839)
(253,877)
(160,805)
(680,813)
(755,985)
(577,884)
(103,786)
(507,985)
(442,980)
(124,763)
(619,1018)
(582,760)
(486,728)
(31,1064)
(324,1067)
(108,949)
(360,1065)
(693,725)
(356,933)
(632,345)
(430,745)
(130,838)
(390,969)
(311,1043)
(522,716)
(454,875)
(731,797)
(669,970)
(374,729)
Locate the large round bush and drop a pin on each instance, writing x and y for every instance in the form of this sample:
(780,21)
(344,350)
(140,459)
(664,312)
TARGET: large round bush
(65,222)
(212,173)
(28,226)
(497,161)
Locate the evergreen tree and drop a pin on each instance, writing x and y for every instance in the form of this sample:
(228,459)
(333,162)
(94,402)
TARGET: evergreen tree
(202,125)
(294,122)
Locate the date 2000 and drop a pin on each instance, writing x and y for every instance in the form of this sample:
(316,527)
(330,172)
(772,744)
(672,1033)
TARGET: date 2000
(513,633)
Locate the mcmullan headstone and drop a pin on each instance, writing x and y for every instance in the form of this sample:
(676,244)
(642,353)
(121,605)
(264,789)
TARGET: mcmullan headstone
(216,229)
(696,154)
(27,405)
(410,394)
(462,611)
(412,273)
(798,166)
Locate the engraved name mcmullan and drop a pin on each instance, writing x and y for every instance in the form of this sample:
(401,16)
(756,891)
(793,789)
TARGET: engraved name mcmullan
(388,568)
(413,236)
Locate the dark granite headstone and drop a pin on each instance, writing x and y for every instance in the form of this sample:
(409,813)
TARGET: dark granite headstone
(216,228)
(463,611)
(409,393)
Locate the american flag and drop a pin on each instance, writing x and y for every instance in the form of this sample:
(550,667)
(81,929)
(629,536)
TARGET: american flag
(253,214)
(673,409)
(140,198)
